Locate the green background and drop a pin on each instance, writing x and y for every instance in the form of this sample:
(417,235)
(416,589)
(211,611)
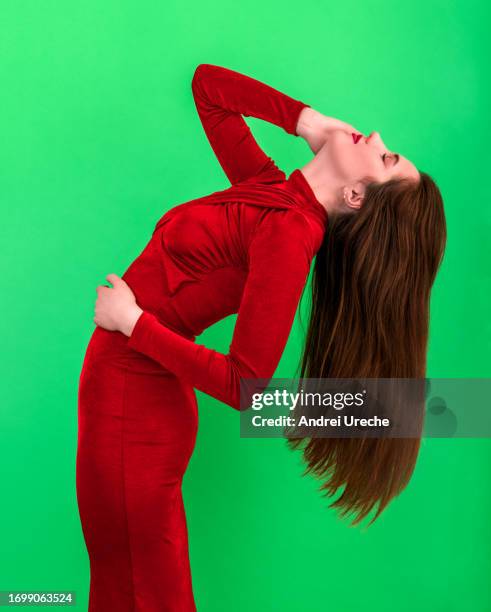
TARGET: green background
(100,137)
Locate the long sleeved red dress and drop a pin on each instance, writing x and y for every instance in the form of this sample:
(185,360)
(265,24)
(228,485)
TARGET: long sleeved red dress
(245,250)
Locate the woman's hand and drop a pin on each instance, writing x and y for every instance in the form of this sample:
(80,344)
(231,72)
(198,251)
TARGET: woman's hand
(315,127)
(116,308)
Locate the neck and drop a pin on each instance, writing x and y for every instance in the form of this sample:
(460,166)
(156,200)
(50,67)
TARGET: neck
(323,183)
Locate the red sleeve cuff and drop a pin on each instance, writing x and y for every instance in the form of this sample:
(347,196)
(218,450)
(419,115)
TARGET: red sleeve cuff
(291,126)
(165,346)
(141,331)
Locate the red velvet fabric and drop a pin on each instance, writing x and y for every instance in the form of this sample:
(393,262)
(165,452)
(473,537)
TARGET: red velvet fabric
(246,250)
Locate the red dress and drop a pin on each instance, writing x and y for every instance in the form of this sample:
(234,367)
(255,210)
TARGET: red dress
(245,250)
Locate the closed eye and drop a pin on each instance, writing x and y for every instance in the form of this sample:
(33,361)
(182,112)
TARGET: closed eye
(396,155)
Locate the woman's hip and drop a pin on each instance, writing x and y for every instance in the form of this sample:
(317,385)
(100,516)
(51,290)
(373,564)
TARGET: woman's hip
(151,416)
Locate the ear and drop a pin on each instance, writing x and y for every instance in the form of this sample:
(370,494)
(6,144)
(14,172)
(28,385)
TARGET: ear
(354,194)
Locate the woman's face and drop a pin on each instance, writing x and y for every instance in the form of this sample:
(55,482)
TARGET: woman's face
(354,157)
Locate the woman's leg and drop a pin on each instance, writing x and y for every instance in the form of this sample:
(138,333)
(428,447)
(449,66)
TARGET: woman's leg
(136,436)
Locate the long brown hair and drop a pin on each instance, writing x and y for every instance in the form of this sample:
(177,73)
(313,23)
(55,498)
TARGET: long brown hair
(369,317)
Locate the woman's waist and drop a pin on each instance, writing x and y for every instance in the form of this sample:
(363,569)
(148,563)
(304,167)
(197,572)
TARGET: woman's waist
(110,348)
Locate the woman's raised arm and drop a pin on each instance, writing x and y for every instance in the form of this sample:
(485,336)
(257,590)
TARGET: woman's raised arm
(222,96)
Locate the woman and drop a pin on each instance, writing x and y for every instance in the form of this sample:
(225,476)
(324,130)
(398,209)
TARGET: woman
(377,229)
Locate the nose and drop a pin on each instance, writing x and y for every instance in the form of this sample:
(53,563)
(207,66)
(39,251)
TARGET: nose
(371,137)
